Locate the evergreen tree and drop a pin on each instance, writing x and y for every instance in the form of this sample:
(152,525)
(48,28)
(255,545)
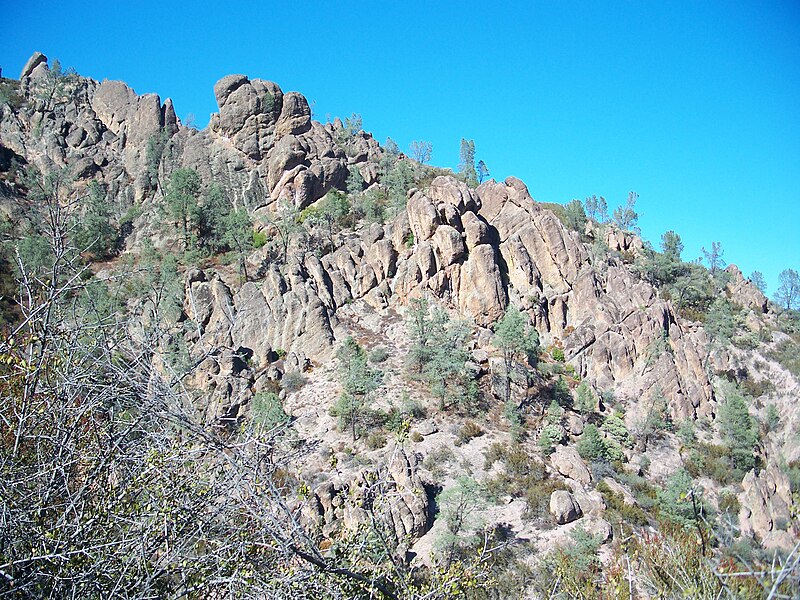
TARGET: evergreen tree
(591,445)
(182,204)
(739,429)
(94,231)
(626,217)
(575,216)
(757,279)
(483,171)
(466,162)
(672,246)
(358,381)
(513,336)
(585,399)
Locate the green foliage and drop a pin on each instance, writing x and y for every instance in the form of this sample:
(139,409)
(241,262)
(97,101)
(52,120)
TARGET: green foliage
(154,152)
(757,279)
(591,445)
(713,258)
(358,381)
(9,93)
(739,429)
(723,320)
(267,411)
(466,162)
(772,417)
(460,508)
(614,427)
(572,568)
(93,229)
(672,246)
(514,336)
(397,176)
(353,124)
(657,419)
(560,392)
(675,500)
(182,202)
(575,216)
(631,513)
(438,353)
(626,217)
(328,214)
(482,171)
(585,399)
(557,354)
(550,436)
(259,239)
(787,353)
(55,87)
(378,355)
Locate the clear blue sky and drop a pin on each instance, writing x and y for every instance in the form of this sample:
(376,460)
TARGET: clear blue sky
(694,105)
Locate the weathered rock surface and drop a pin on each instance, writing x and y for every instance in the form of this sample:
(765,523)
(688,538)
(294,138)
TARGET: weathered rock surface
(564,508)
(392,492)
(568,463)
(744,292)
(766,508)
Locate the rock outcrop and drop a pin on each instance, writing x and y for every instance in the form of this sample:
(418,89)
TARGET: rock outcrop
(766,508)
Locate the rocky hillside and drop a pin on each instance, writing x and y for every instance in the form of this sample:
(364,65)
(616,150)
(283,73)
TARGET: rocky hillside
(624,419)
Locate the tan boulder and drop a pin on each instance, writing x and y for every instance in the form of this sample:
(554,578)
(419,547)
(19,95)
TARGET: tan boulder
(564,508)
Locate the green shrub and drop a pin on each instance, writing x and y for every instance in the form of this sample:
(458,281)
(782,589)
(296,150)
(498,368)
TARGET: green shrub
(267,410)
(550,436)
(557,354)
(437,460)
(787,353)
(591,445)
(378,355)
(631,513)
(259,239)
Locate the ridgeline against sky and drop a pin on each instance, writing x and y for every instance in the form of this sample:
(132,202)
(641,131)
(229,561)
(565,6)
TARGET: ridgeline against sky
(692,106)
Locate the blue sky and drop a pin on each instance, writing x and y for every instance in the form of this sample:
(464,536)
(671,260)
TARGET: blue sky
(694,105)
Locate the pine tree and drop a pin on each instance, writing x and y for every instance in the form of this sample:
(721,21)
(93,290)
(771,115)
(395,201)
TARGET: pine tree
(514,336)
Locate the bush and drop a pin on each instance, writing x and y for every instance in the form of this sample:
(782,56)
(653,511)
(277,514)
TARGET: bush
(591,445)
(259,239)
(787,353)
(267,410)
(375,440)
(557,354)
(378,355)
(468,431)
(631,513)
(293,381)
(437,461)
(550,436)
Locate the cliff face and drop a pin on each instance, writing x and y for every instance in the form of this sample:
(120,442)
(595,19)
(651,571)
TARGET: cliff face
(473,251)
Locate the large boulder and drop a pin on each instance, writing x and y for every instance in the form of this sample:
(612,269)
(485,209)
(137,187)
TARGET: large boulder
(564,508)
(568,463)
